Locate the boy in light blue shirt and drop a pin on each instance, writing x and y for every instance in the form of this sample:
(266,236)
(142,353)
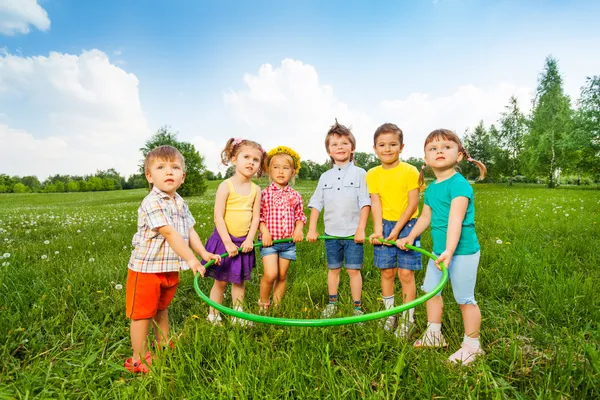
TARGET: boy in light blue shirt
(342,192)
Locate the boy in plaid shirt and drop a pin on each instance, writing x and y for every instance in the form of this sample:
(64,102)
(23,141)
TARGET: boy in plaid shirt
(163,245)
(281,216)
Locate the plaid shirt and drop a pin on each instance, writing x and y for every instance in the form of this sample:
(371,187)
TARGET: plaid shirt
(280,209)
(152,253)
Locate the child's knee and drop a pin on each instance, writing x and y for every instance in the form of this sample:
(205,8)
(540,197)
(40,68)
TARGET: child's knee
(388,274)
(406,276)
(353,273)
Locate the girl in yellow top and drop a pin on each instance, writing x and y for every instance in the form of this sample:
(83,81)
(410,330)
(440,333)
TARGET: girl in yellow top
(394,189)
(237,215)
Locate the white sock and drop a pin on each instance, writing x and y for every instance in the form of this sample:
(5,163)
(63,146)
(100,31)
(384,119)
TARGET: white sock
(411,315)
(388,302)
(434,327)
(238,308)
(472,341)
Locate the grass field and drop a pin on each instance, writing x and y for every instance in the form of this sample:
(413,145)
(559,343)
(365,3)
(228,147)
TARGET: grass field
(65,334)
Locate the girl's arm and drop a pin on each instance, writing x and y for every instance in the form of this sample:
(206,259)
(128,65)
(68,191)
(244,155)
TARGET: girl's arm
(300,218)
(359,235)
(458,210)
(413,203)
(267,239)
(248,244)
(422,224)
(376,212)
(220,201)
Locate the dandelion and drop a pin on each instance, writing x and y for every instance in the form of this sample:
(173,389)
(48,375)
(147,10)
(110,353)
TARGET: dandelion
(498,241)
(56,252)
(195,316)
(92,259)
(44,256)
(5,264)
(78,230)
(70,247)
(6,255)
(566,215)
(118,286)
(46,242)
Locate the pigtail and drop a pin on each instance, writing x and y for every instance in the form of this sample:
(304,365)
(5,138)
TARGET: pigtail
(264,164)
(422,176)
(481,166)
(227,153)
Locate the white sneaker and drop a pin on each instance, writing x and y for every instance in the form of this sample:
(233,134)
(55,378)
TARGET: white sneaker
(431,339)
(330,310)
(214,319)
(405,330)
(390,323)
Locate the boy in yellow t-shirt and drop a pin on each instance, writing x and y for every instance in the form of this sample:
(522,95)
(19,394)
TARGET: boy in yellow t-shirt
(394,189)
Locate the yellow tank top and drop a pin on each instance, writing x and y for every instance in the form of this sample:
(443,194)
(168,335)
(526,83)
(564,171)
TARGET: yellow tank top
(238,210)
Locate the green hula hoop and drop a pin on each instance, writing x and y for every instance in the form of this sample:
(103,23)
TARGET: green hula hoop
(263,319)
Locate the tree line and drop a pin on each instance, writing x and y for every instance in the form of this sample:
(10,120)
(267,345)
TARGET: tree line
(554,140)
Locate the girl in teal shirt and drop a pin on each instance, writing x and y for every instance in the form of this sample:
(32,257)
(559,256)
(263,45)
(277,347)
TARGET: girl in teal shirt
(450,211)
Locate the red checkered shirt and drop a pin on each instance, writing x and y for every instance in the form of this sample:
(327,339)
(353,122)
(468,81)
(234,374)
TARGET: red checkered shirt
(280,209)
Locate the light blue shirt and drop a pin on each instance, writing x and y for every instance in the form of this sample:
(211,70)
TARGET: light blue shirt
(342,191)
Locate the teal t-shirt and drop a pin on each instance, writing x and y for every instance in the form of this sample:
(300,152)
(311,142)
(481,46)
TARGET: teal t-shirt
(439,197)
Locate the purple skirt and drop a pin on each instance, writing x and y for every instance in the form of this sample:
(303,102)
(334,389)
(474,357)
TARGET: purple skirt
(232,269)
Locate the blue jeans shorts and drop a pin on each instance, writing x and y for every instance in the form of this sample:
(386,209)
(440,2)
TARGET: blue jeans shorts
(462,272)
(283,250)
(385,257)
(339,250)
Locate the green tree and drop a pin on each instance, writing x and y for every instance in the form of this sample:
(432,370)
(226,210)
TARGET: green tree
(60,186)
(20,188)
(481,146)
(365,160)
(72,186)
(513,128)
(195,181)
(32,182)
(95,183)
(584,143)
(550,125)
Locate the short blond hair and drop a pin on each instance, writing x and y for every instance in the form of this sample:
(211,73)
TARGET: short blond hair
(168,153)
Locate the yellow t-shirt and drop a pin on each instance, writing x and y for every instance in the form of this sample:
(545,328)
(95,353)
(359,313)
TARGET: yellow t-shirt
(238,210)
(392,186)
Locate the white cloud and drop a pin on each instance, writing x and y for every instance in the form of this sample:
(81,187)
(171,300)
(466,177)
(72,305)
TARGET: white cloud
(76,114)
(288,105)
(17,15)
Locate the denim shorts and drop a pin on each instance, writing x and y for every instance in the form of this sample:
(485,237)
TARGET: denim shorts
(339,250)
(462,272)
(283,250)
(385,257)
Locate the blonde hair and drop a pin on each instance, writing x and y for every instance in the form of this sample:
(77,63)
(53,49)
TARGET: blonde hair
(233,147)
(446,134)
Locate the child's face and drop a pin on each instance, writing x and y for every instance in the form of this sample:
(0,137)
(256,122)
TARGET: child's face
(340,149)
(281,169)
(247,161)
(166,175)
(388,148)
(442,154)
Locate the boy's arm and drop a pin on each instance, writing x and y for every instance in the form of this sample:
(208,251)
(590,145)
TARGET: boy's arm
(180,247)
(220,201)
(248,244)
(413,204)
(376,212)
(312,234)
(359,235)
(198,247)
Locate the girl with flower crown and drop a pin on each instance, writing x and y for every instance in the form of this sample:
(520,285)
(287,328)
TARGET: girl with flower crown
(237,211)
(281,216)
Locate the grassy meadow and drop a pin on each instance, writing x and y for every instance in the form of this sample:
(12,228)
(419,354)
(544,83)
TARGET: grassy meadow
(62,310)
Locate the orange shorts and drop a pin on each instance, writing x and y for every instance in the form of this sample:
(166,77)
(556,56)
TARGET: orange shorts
(148,293)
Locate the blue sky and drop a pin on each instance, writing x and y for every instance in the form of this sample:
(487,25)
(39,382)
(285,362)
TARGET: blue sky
(84,83)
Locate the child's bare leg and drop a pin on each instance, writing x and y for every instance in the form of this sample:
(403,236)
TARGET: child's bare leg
(409,288)
(216,294)
(471,319)
(333,281)
(237,294)
(435,308)
(270,274)
(139,335)
(387,281)
(281,281)
(161,327)
(355,283)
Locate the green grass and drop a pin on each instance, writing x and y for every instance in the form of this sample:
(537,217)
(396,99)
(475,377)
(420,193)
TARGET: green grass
(66,335)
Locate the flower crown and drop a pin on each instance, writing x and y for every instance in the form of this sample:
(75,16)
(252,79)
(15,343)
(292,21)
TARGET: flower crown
(286,150)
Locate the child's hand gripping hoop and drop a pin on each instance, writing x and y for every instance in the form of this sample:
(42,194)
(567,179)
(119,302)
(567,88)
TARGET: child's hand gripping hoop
(331,321)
